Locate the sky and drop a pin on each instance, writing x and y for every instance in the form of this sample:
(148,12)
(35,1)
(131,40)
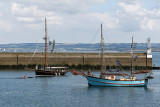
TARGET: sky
(78,21)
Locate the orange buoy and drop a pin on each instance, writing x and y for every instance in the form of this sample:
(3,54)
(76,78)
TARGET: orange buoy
(24,77)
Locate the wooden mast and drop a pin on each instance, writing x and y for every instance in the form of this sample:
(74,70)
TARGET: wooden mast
(45,43)
(102,49)
(132,58)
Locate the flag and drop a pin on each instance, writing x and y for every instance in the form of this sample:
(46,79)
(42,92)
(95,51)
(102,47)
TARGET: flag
(118,62)
(110,70)
(117,70)
(135,57)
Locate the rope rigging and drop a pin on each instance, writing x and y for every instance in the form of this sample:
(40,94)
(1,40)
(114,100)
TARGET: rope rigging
(33,55)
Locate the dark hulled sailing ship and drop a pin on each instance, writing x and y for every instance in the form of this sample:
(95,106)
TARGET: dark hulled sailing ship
(49,71)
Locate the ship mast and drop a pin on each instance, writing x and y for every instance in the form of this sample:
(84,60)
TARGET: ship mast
(132,58)
(102,49)
(45,43)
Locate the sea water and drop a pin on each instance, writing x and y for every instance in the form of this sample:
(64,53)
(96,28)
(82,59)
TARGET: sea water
(73,91)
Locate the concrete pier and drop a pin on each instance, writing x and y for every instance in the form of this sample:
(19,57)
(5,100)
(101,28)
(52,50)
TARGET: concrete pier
(92,59)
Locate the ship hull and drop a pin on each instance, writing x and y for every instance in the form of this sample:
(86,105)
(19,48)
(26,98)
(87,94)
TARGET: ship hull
(94,81)
(49,73)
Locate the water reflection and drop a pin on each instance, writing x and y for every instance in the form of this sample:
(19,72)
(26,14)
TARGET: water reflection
(118,95)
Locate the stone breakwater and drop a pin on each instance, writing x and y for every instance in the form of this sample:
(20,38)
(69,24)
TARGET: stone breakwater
(72,59)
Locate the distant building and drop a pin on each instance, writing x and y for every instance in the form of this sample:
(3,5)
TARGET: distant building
(4,50)
(149,50)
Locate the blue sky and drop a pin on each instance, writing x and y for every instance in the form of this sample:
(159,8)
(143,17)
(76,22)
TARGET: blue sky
(77,21)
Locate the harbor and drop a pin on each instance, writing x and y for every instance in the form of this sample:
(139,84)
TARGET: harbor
(72,53)
(70,90)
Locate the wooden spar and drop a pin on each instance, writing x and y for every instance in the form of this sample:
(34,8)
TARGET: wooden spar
(75,72)
(45,43)
(116,74)
(102,45)
(141,72)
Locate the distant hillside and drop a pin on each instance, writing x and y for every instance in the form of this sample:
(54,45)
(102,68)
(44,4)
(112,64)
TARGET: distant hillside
(80,47)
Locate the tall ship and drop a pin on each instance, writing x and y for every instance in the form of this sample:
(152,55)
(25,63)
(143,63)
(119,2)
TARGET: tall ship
(107,78)
(47,70)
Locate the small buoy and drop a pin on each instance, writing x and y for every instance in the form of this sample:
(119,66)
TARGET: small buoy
(24,77)
(59,74)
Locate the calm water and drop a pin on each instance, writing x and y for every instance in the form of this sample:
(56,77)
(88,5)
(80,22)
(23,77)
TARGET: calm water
(73,91)
(156,59)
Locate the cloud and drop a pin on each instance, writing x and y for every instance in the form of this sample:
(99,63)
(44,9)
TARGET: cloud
(62,6)
(34,26)
(5,25)
(25,19)
(130,8)
(18,9)
(135,13)
(32,15)
(55,20)
(127,16)
(150,24)
(109,20)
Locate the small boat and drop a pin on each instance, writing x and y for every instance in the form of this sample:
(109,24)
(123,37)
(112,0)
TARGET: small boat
(49,71)
(109,79)
(149,77)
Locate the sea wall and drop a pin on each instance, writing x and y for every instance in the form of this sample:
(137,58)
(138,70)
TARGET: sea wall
(70,59)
